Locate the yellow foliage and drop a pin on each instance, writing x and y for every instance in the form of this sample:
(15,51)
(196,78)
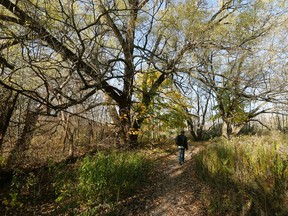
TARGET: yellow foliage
(133,131)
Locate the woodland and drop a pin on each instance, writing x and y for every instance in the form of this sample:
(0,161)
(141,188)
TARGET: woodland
(94,92)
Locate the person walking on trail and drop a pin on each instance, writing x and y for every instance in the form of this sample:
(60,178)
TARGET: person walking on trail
(181,141)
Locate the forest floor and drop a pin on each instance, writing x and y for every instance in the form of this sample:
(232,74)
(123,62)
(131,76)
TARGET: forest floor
(175,189)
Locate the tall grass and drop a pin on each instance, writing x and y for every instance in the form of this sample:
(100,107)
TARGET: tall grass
(250,173)
(103,180)
(95,185)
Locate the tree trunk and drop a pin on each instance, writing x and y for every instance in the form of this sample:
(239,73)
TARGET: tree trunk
(191,129)
(236,129)
(68,136)
(229,129)
(225,126)
(198,132)
(27,133)
(26,136)
(124,127)
(127,134)
(134,131)
(7,107)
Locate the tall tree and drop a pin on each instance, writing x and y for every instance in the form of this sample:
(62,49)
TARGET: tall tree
(70,50)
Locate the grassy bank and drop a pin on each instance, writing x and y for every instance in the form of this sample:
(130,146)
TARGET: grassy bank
(93,185)
(249,175)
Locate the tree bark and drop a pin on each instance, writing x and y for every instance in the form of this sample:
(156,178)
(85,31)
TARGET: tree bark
(26,136)
(225,133)
(236,129)
(27,133)
(7,108)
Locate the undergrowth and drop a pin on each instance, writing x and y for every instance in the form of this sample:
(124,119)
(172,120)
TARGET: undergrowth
(249,175)
(92,186)
(101,181)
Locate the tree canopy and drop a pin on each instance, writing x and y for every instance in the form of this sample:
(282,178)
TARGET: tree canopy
(62,53)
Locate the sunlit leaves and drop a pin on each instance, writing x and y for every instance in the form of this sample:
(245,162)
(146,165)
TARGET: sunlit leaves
(167,105)
(182,21)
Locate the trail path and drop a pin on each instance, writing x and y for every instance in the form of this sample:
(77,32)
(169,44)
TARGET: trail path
(175,190)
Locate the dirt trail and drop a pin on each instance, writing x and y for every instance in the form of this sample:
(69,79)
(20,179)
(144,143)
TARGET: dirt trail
(175,191)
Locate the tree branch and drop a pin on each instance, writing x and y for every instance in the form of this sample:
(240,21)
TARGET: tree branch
(55,44)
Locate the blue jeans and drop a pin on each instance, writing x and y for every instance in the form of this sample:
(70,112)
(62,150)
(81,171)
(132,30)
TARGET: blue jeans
(181,150)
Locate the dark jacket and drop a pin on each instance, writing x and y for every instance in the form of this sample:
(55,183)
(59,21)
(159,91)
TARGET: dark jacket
(181,140)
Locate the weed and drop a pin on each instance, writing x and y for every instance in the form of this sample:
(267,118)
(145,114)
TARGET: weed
(251,171)
(20,186)
(103,180)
